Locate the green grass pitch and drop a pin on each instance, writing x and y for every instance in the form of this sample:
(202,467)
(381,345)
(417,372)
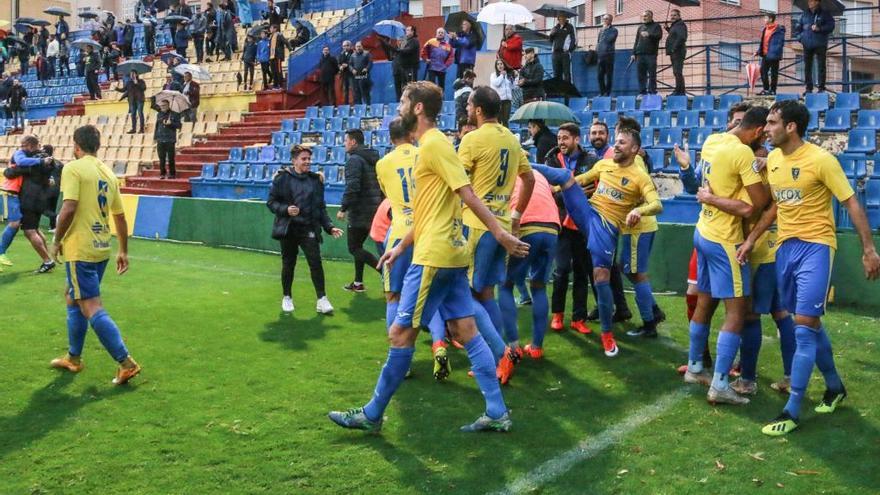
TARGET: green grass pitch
(234,395)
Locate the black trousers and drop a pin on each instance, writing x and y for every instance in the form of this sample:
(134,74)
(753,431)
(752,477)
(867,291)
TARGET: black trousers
(504,116)
(677,60)
(437,77)
(267,74)
(402,77)
(606,75)
(348,85)
(646,68)
(562,66)
(92,84)
(199,43)
(210,45)
(362,90)
(277,73)
(290,246)
(64,66)
(572,257)
(249,70)
(769,74)
(328,92)
(820,55)
(356,238)
(166,155)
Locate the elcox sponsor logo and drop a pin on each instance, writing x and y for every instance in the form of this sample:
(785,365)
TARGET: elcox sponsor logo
(788,196)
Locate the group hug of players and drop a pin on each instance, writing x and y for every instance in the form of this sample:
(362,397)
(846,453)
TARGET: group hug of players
(465,221)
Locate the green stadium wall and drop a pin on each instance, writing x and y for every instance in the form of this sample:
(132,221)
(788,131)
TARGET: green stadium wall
(248,224)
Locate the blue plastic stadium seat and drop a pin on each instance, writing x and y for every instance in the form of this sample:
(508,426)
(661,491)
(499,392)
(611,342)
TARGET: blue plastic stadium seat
(837,119)
(647,135)
(668,138)
(294,137)
(447,122)
(610,118)
(849,101)
(303,124)
(391,109)
(869,119)
(279,138)
(625,103)
(660,119)
(638,115)
(657,156)
(256,173)
(224,170)
(319,124)
(359,110)
(448,107)
(337,124)
(328,138)
(267,154)
(252,155)
(343,110)
(337,155)
(697,136)
(727,101)
(235,154)
(311,112)
(855,167)
(601,104)
(239,174)
(353,123)
(862,141)
(271,170)
(207,171)
(651,102)
(787,96)
(282,155)
(578,103)
(816,102)
(331,174)
(327,112)
(688,119)
(381,137)
(377,109)
(585,117)
(813,124)
(716,119)
(319,154)
(676,103)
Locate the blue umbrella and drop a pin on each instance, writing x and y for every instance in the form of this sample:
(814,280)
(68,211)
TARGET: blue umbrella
(306,24)
(136,65)
(168,56)
(390,29)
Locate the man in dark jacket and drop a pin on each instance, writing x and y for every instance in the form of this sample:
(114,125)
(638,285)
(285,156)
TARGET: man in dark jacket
(17,96)
(645,53)
(345,75)
(128,39)
(92,64)
(328,67)
(564,42)
(301,38)
(193,92)
(150,36)
(181,39)
(676,48)
(605,54)
(249,61)
(134,90)
(359,202)
(165,135)
(297,200)
(225,33)
(277,50)
(543,139)
(812,31)
(531,77)
(361,65)
(404,59)
(111,61)
(198,27)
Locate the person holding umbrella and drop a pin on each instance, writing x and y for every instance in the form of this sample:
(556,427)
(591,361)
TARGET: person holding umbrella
(645,50)
(92,64)
(466,42)
(301,38)
(812,31)
(192,91)
(564,42)
(676,48)
(404,56)
(438,54)
(61,27)
(770,51)
(165,135)
(134,89)
(150,35)
(127,39)
(181,39)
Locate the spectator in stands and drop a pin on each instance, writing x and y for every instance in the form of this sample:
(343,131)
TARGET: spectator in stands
(543,138)
(273,14)
(192,90)
(605,51)
(263,58)
(198,26)
(249,61)
(277,50)
(345,75)
(359,202)
(165,135)
(502,83)
(52,54)
(511,50)
(645,51)
(127,39)
(43,43)
(438,54)
(301,38)
(328,67)
(111,60)
(41,66)
(599,140)
(91,66)
(813,29)
(61,27)
(676,48)
(297,200)
(63,56)
(770,50)
(466,43)
(24,59)
(462,91)
(171,84)
(210,31)
(135,91)
(4,56)
(531,77)
(175,75)
(405,63)
(564,41)
(150,36)
(361,65)
(226,32)
(181,39)
(17,97)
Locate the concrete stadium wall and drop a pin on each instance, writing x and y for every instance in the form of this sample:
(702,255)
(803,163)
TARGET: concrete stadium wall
(248,224)
(112,106)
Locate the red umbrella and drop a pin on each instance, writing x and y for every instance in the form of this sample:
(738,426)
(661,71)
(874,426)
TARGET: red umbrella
(753,70)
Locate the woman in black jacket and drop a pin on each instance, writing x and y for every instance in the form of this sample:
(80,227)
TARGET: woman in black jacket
(297,200)
(134,90)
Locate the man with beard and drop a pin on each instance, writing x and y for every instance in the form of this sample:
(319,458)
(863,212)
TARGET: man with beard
(437,279)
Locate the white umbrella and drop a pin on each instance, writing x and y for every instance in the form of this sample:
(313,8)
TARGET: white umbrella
(199,73)
(505,13)
(176,100)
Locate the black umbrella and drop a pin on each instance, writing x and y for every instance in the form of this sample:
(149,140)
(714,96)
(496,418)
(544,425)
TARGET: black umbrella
(15,41)
(57,11)
(453,25)
(174,18)
(832,7)
(25,20)
(88,15)
(41,23)
(255,31)
(552,10)
(560,88)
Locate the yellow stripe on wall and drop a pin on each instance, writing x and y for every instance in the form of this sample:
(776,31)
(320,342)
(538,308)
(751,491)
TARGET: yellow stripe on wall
(130,207)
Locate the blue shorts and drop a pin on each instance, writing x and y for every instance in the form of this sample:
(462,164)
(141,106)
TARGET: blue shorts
(488,259)
(718,272)
(765,296)
(542,250)
(602,241)
(636,251)
(393,278)
(803,272)
(13,208)
(427,289)
(84,279)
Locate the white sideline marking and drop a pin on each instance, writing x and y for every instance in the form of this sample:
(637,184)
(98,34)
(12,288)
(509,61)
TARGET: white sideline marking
(593,446)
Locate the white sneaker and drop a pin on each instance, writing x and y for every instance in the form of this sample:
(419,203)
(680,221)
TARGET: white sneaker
(324,307)
(287,304)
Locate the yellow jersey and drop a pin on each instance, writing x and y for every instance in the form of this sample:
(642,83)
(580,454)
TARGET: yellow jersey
(493,159)
(802,184)
(647,223)
(93,186)
(728,167)
(395,174)
(437,227)
(620,189)
(765,246)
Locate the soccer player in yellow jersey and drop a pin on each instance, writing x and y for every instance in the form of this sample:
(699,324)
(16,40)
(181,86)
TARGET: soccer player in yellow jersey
(82,236)
(437,279)
(493,159)
(624,195)
(803,178)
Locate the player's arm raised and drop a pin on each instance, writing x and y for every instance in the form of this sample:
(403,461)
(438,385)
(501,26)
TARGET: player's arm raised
(870,258)
(514,246)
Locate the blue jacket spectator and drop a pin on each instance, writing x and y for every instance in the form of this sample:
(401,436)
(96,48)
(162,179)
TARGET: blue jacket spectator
(263,51)
(465,48)
(605,42)
(775,45)
(814,39)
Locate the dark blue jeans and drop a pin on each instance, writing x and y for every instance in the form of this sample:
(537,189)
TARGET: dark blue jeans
(136,109)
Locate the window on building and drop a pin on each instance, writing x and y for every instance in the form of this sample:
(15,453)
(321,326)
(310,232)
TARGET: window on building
(856,76)
(729,56)
(619,8)
(769,5)
(731,2)
(856,20)
(582,15)
(449,6)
